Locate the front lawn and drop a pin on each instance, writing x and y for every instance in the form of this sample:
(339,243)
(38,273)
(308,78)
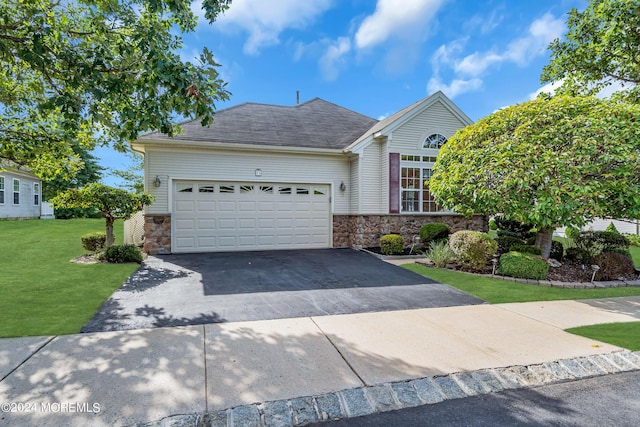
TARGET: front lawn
(626,335)
(496,291)
(41,292)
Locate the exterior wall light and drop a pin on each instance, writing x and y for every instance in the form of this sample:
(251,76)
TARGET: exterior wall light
(343,187)
(157,182)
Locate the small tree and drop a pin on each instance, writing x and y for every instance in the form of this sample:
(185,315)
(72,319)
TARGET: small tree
(548,162)
(114,203)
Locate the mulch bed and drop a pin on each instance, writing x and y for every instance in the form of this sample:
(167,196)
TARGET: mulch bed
(567,272)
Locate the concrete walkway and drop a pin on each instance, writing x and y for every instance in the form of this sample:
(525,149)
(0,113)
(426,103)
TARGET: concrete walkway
(304,368)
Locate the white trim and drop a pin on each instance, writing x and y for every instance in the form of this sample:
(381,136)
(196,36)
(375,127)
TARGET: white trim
(139,145)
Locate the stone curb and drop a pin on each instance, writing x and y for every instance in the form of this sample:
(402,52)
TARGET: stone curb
(368,400)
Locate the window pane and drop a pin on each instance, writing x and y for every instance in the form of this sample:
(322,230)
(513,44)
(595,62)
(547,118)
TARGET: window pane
(227,188)
(318,191)
(205,188)
(246,188)
(16,198)
(184,188)
(1,182)
(266,189)
(410,201)
(16,185)
(302,190)
(284,190)
(434,141)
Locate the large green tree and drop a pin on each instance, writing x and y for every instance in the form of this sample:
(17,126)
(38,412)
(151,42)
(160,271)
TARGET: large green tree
(601,48)
(97,72)
(113,203)
(89,170)
(548,162)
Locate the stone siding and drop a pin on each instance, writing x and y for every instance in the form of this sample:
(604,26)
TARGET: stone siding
(157,234)
(366,230)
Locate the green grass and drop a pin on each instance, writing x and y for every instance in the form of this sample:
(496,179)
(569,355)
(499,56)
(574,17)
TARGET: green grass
(41,292)
(635,255)
(626,335)
(496,291)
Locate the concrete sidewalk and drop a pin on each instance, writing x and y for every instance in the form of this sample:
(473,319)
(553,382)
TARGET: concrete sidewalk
(128,377)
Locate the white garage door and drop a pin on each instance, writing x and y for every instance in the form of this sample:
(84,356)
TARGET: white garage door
(222,216)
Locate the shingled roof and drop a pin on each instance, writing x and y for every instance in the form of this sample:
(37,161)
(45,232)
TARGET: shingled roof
(313,124)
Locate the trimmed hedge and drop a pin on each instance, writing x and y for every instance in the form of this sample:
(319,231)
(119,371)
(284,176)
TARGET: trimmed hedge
(613,266)
(123,253)
(93,242)
(523,266)
(506,242)
(433,231)
(391,244)
(472,248)
(527,249)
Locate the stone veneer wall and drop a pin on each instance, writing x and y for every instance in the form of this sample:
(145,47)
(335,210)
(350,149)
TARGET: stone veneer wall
(157,234)
(366,230)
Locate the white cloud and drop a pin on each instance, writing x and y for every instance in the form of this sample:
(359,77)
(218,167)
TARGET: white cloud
(333,57)
(393,20)
(520,51)
(467,71)
(455,88)
(265,20)
(549,88)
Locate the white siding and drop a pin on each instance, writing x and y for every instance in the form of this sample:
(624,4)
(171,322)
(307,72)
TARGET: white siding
(26,208)
(354,187)
(436,119)
(371,195)
(194,164)
(598,224)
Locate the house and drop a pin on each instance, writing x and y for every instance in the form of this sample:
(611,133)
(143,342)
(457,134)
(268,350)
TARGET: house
(20,192)
(313,175)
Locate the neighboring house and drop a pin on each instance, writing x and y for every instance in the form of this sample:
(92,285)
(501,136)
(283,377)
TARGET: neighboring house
(314,175)
(599,224)
(20,192)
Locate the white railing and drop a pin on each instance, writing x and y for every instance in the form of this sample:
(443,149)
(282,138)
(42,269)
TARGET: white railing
(46,211)
(134,229)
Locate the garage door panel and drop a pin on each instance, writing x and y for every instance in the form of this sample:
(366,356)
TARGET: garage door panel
(245,216)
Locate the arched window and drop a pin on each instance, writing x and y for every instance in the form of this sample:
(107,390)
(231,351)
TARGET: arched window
(435,140)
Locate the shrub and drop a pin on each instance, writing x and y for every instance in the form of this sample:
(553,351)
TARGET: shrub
(94,242)
(520,229)
(526,249)
(492,224)
(633,239)
(524,266)
(123,253)
(613,266)
(596,242)
(571,232)
(505,243)
(578,255)
(557,250)
(391,244)
(433,231)
(611,228)
(472,248)
(440,253)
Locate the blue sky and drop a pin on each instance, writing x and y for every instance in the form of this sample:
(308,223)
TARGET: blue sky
(379,56)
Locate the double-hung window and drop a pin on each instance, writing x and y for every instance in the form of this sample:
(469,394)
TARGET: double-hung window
(16,191)
(36,194)
(1,190)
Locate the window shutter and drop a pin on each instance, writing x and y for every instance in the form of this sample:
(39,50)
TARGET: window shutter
(394,183)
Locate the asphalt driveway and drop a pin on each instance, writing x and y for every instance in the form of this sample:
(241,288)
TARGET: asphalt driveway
(187,289)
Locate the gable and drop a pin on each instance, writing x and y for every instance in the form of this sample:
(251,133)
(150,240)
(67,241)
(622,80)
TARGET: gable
(437,119)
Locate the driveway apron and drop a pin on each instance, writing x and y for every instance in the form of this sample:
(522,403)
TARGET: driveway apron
(188,289)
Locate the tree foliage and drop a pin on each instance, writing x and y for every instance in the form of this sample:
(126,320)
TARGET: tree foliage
(114,203)
(89,171)
(133,176)
(600,48)
(97,71)
(548,162)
